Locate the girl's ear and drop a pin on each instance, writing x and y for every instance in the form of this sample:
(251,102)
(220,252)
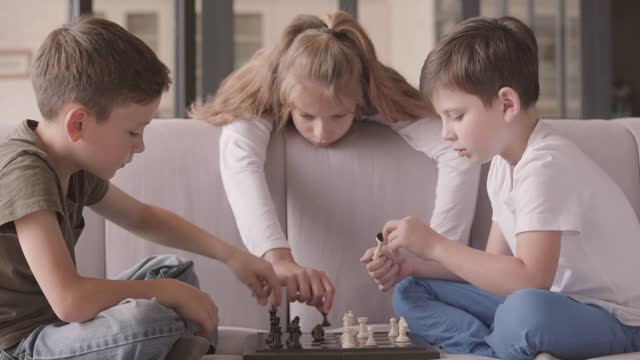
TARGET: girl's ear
(510,102)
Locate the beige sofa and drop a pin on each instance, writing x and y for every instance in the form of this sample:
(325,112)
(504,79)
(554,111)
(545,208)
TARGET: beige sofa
(331,203)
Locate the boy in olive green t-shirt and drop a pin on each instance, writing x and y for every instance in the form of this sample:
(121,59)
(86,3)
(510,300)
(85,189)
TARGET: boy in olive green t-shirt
(97,87)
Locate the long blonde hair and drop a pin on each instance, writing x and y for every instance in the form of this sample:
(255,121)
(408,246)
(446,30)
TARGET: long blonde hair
(334,52)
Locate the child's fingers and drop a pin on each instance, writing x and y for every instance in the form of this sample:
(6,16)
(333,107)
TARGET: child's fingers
(386,266)
(389,275)
(375,265)
(330,292)
(394,247)
(389,227)
(274,287)
(368,255)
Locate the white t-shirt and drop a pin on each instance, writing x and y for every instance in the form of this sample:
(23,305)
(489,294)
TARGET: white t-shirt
(557,187)
(243,148)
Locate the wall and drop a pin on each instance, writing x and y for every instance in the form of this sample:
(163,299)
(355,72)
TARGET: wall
(23,25)
(401,30)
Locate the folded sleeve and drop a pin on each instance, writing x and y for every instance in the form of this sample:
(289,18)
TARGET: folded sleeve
(545,196)
(27,185)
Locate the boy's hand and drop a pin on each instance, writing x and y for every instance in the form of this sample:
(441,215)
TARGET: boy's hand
(305,285)
(195,305)
(413,235)
(388,269)
(258,275)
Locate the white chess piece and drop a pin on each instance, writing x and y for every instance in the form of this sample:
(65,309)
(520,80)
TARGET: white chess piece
(403,321)
(402,338)
(393,327)
(347,338)
(378,250)
(362,332)
(371,341)
(347,319)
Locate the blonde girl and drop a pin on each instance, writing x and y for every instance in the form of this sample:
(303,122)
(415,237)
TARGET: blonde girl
(322,76)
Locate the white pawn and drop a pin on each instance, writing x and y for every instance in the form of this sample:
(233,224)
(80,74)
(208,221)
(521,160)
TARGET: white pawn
(402,338)
(371,341)
(393,327)
(363,333)
(403,322)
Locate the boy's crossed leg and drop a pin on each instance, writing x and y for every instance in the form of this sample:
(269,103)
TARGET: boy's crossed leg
(135,328)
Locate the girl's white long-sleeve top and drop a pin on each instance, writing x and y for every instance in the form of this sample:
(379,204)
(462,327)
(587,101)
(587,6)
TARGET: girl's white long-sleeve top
(243,151)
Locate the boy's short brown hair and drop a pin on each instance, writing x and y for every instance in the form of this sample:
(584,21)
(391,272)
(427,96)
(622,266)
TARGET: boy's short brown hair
(98,64)
(482,55)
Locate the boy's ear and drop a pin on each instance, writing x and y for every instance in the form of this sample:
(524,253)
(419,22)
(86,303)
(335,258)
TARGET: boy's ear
(76,122)
(510,102)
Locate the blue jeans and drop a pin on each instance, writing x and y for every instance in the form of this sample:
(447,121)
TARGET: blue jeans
(462,319)
(133,329)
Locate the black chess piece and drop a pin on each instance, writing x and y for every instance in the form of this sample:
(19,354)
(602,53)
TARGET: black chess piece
(274,339)
(293,341)
(317,333)
(325,321)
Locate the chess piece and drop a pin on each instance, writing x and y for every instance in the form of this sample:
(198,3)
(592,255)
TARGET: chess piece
(350,318)
(403,321)
(272,316)
(347,338)
(402,338)
(393,328)
(293,341)
(371,341)
(325,321)
(317,333)
(275,335)
(362,332)
(379,242)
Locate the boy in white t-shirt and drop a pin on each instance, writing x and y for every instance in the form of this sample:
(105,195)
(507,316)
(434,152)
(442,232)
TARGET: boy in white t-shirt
(558,274)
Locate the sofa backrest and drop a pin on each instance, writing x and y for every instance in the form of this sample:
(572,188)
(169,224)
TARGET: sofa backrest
(331,203)
(339,198)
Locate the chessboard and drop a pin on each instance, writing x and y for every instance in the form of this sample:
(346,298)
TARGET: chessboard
(255,348)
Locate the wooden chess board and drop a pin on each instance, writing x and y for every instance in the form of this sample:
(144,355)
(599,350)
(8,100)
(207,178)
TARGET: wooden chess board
(385,348)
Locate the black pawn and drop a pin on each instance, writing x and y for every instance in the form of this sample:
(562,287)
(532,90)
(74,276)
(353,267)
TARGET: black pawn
(325,321)
(293,342)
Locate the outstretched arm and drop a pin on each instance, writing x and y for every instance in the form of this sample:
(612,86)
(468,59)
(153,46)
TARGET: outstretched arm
(166,228)
(76,299)
(243,148)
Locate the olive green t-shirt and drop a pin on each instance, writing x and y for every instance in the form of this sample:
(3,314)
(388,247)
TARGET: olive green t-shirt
(28,184)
